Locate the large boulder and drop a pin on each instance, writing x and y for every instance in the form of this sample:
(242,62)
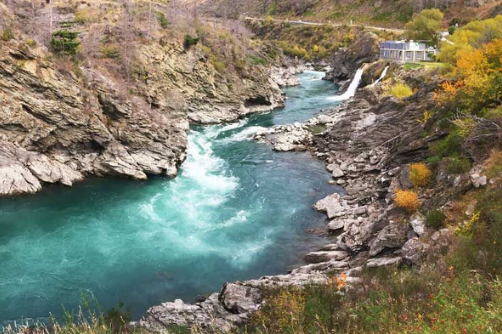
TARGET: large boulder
(333,205)
(391,237)
(239,298)
(344,63)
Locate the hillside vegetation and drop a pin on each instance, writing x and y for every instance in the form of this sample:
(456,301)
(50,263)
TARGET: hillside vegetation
(391,13)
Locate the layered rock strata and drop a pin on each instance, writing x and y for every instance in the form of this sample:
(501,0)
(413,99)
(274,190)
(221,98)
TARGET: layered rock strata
(57,127)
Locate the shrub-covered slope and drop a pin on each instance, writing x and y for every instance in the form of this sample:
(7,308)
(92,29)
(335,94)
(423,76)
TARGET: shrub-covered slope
(109,87)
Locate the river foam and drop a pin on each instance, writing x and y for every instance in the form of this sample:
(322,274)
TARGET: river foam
(236,211)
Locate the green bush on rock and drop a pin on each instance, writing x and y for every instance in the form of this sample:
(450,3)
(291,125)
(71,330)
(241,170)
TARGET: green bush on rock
(65,42)
(190,41)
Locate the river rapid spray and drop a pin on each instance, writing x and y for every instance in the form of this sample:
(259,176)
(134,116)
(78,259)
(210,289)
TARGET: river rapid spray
(237,211)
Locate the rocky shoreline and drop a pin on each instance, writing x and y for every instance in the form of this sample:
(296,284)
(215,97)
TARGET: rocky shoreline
(367,144)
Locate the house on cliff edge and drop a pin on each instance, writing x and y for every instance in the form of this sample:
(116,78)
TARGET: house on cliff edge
(406,51)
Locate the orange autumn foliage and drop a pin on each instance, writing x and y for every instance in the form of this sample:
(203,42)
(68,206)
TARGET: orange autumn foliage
(478,75)
(341,281)
(407,200)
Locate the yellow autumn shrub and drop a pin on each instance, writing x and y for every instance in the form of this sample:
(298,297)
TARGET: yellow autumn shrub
(407,200)
(400,91)
(420,175)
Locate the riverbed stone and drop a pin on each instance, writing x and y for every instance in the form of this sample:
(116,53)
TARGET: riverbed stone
(239,298)
(333,205)
(324,256)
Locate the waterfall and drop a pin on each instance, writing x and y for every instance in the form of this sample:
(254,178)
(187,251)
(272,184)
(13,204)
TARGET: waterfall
(351,91)
(382,76)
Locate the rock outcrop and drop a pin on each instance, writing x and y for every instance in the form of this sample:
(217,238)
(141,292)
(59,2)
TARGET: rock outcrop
(344,63)
(57,127)
(224,310)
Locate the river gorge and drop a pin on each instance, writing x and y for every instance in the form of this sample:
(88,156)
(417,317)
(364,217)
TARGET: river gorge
(236,211)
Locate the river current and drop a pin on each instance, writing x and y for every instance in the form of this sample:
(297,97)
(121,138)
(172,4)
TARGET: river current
(237,211)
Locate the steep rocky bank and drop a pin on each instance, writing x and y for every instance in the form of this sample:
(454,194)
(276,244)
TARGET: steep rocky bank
(58,125)
(368,144)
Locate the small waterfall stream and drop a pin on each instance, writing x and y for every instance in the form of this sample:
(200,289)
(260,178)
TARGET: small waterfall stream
(382,76)
(351,91)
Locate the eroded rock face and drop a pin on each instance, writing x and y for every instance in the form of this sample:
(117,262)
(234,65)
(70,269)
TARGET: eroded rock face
(414,251)
(344,63)
(59,127)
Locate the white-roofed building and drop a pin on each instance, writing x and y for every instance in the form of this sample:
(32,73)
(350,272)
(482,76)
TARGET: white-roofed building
(406,51)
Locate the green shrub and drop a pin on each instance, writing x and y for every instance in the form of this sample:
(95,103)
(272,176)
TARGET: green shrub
(434,161)
(67,24)
(190,41)
(435,219)
(255,60)
(400,91)
(450,146)
(458,165)
(162,19)
(7,34)
(65,42)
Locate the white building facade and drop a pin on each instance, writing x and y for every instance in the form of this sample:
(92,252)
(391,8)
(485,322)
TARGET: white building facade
(406,51)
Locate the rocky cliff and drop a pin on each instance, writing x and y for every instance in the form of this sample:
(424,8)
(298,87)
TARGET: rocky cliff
(345,62)
(58,125)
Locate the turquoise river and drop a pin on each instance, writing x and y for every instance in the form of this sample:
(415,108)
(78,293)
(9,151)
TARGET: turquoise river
(237,211)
